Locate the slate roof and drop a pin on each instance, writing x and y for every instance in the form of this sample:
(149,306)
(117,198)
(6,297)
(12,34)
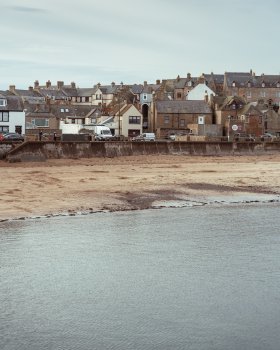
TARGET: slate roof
(27,93)
(136,88)
(186,107)
(85,92)
(14,104)
(53,92)
(250,108)
(240,79)
(70,91)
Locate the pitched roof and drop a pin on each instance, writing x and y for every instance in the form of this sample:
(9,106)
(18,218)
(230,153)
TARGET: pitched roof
(14,103)
(188,107)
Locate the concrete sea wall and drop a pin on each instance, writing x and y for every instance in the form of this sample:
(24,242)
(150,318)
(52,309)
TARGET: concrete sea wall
(40,151)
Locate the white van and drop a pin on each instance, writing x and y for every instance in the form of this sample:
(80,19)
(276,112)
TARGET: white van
(147,136)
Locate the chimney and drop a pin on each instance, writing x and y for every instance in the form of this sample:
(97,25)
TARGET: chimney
(189,75)
(158,81)
(12,88)
(48,84)
(206,98)
(145,83)
(30,88)
(60,84)
(178,78)
(113,84)
(98,85)
(73,85)
(36,84)
(251,72)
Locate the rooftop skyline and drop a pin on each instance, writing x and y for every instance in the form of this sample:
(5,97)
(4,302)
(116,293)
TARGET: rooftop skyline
(88,42)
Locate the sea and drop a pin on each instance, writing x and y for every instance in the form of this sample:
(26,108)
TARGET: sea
(205,277)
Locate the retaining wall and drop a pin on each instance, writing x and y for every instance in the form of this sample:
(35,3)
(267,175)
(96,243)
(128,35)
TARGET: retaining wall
(40,151)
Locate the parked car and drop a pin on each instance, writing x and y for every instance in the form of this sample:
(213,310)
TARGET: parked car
(267,137)
(12,136)
(243,137)
(148,136)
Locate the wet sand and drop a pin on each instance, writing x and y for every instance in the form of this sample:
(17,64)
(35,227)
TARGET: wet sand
(131,183)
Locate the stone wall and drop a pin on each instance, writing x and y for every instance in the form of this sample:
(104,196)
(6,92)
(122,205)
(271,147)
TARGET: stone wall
(40,151)
(5,147)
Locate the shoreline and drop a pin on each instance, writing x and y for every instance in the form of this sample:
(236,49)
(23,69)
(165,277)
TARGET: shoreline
(70,187)
(160,205)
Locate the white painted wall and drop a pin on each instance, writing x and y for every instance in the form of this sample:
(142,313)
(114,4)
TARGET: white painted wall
(132,111)
(15,119)
(199,92)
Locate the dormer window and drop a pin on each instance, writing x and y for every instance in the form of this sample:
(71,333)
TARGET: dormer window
(190,83)
(3,102)
(233,84)
(249,85)
(263,84)
(278,85)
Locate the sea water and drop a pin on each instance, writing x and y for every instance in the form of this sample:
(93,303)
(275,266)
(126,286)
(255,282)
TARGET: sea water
(187,278)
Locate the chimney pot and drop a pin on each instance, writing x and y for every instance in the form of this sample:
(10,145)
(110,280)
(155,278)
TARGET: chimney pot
(30,88)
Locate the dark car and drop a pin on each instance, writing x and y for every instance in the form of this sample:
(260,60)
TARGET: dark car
(12,136)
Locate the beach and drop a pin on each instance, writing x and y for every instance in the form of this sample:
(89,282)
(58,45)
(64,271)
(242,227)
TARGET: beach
(132,183)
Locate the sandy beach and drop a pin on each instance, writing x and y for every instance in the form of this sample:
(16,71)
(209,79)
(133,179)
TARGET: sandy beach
(131,183)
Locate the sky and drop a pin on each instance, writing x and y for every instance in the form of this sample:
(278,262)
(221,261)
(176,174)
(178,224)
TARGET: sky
(91,41)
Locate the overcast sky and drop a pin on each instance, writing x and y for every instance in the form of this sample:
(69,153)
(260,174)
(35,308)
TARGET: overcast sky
(91,41)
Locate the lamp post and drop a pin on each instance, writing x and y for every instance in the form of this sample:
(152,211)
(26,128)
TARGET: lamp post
(119,100)
(229,117)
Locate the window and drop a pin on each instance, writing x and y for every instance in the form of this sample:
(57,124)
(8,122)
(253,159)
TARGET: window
(74,99)
(62,110)
(3,102)
(233,84)
(179,95)
(246,119)
(67,110)
(145,97)
(41,122)
(263,84)
(182,122)
(98,96)
(249,95)
(260,119)
(83,99)
(262,93)
(249,84)
(4,116)
(134,120)
(278,85)
(166,119)
(4,128)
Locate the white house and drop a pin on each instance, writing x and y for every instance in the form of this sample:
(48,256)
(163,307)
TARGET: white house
(127,122)
(199,92)
(12,115)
